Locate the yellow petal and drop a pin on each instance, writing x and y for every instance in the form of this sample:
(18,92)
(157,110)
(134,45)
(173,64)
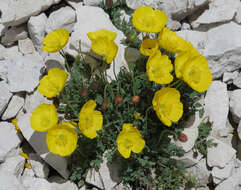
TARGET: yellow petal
(146,19)
(111,36)
(125,152)
(158,68)
(171,42)
(53,83)
(90,120)
(149,47)
(62,139)
(139,145)
(55,41)
(44,117)
(197,74)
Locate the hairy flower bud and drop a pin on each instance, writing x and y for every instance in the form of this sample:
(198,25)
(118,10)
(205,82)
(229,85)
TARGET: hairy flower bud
(83,92)
(104,104)
(136,99)
(182,137)
(94,86)
(118,99)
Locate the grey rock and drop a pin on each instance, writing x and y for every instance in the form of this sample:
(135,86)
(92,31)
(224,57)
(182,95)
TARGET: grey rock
(217,105)
(36,28)
(219,155)
(132,54)
(30,65)
(10,182)
(59,183)
(186,26)
(14,34)
(67,22)
(8,134)
(13,165)
(220,174)
(228,77)
(237,17)
(15,13)
(26,46)
(237,81)
(15,104)
(235,105)
(5,96)
(39,167)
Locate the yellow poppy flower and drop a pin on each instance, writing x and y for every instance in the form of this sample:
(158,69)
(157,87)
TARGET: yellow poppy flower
(55,41)
(44,117)
(167,105)
(90,120)
(158,68)
(129,140)
(146,19)
(53,83)
(102,43)
(197,74)
(149,47)
(171,42)
(24,155)
(181,59)
(62,139)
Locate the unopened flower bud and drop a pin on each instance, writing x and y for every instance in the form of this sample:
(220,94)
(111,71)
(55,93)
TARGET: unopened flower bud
(94,86)
(118,99)
(182,137)
(104,104)
(83,92)
(136,99)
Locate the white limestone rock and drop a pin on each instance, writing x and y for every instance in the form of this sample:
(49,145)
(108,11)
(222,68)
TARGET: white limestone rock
(54,60)
(15,13)
(33,100)
(13,165)
(33,183)
(30,65)
(219,155)
(39,167)
(67,21)
(26,46)
(37,141)
(90,19)
(9,139)
(28,172)
(237,81)
(233,182)
(93,177)
(188,159)
(173,24)
(235,105)
(36,28)
(219,11)
(185,26)
(237,17)
(200,171)
(178,10)
(15,104)
(239,130)
(191,131)
(3,69)
(217,105)
(11,53)
(94,2)
(223,52)
(220,174)
(14,34)
(198,39)
(5,96)
(228,77)
(9,181)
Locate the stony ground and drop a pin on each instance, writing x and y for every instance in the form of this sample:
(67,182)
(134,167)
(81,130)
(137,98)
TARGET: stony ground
(213,27)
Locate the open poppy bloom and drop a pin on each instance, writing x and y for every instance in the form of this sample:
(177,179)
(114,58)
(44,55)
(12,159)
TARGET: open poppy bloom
(149,47)
(167,105)
(53,83)
(62,139)
(171,42)
(146,19)
(55,41)
(197,74)
(158,68)
(90,120)
(129,140)
(44,117)
(102,43)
